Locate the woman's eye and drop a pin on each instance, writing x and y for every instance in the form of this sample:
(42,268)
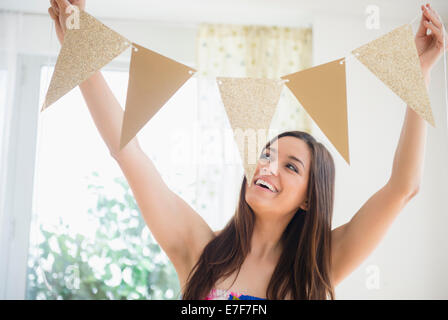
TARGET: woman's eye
(264,156)
(293,168)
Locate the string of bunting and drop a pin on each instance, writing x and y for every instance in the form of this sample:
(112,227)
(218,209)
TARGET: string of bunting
(250,103)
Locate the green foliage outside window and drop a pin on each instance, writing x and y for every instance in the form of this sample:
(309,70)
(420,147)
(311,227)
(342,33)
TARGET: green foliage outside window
(122,261)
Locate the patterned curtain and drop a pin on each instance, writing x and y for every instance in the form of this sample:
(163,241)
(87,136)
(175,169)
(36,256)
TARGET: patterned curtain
(240,51)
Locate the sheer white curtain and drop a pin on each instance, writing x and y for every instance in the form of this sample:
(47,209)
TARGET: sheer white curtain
(240,51)
(10,29)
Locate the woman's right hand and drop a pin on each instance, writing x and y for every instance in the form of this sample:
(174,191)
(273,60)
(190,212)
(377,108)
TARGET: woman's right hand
(59,13)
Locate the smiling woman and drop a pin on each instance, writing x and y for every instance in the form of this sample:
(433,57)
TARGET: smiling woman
(279,244)
(296,218)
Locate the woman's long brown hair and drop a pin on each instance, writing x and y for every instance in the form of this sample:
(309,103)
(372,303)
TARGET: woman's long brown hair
(303,269)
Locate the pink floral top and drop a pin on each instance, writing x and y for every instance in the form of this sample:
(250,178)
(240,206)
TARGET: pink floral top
(219,294)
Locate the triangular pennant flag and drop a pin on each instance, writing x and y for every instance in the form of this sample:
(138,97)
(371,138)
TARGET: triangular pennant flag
(83,52)
(321,90)
(393,58)
(250,104)
(153,79)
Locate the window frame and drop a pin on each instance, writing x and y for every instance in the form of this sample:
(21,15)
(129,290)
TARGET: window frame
(20,146)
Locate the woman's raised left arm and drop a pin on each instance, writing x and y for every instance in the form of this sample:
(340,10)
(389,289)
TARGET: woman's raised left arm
(354,241)
(407,168)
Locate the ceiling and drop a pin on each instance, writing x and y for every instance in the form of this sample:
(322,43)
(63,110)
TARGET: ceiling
(280,12)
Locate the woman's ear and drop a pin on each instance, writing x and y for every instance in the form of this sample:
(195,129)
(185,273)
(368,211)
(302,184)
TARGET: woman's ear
(304,205)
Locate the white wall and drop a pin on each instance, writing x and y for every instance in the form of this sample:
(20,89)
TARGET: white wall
(413,257)
(176,42)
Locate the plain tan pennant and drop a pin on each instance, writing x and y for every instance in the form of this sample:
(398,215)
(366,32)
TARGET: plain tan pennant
(321,90)
(250,104)
(393,58)
(153,79)
(84,51)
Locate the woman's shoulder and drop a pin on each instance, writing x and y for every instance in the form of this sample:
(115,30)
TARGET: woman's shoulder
(187,266)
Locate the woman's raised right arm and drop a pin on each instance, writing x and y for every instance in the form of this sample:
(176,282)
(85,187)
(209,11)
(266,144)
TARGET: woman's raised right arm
(106,113)
(178,229)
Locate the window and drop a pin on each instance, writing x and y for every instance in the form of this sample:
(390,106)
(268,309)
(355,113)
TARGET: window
(88,239)
(3,90)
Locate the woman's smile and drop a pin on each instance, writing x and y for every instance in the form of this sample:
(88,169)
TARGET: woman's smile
(263,188)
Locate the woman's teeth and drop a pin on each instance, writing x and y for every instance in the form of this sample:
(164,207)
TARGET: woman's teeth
(261,182)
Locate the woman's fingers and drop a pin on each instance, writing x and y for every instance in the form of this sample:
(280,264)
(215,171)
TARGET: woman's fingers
(52,13)
(438,21)
(432,16)
(440,25)
(63,4)
(437,32)
(421,32)
(55,6)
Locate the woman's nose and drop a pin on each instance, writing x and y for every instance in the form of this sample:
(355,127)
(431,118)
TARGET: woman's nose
(273,166)
(270,168)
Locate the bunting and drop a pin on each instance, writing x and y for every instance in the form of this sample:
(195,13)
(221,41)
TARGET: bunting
(250,104)
(321,90)
(153,79)
(393,58)
(84,51)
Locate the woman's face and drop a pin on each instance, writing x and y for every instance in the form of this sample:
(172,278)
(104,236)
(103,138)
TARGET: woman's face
(285,166)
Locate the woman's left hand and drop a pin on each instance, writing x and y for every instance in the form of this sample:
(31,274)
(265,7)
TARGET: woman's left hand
(430,47)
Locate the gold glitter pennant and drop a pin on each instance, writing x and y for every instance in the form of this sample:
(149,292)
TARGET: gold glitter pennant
(83,52)
(322,92)
(153,79)
(393,58)
(250,104)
